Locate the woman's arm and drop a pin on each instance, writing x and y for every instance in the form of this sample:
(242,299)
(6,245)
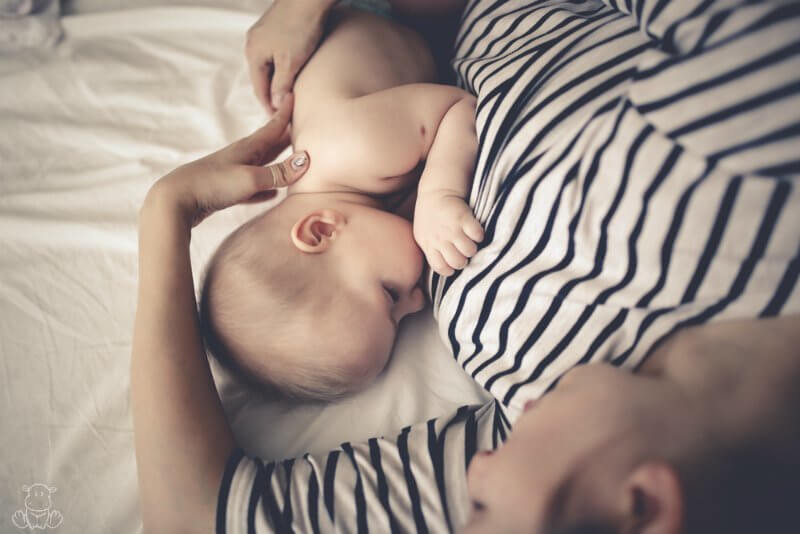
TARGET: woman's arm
(389,133)
(181,436)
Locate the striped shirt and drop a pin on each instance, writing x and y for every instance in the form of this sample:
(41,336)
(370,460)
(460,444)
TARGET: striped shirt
(635,175)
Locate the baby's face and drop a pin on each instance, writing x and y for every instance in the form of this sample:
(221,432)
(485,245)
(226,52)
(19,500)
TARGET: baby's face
(379,267)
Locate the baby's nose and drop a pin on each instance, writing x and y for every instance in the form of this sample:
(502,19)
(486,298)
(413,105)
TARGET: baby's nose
(412,303)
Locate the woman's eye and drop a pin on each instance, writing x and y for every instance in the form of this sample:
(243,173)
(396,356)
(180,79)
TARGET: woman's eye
(392,293)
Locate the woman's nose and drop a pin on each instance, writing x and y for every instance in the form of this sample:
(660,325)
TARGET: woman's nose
(476,472)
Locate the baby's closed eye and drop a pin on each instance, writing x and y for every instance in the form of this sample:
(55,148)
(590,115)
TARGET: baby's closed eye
(392,293)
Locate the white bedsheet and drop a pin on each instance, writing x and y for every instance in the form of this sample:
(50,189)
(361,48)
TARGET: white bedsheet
(84,130)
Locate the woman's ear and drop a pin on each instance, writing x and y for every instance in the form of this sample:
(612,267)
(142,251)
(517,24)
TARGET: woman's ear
(653,500)
(315,231)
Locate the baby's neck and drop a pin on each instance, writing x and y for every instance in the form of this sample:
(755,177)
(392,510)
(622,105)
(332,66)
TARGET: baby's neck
(338,195)
(315,182)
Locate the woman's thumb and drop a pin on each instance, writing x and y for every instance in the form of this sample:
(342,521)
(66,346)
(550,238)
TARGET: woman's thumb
(284,173)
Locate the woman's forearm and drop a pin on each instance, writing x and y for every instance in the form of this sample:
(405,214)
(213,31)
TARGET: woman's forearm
(181,434)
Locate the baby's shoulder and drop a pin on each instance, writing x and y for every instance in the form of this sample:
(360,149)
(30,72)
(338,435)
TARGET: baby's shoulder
(356,154)
(374,143)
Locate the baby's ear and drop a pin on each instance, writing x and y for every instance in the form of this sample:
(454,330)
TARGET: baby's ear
(315,231)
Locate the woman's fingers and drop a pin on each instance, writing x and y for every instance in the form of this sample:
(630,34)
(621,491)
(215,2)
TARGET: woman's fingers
(263,145)
(259,50)
(248,183)
(260,74)
(257,179)
(238,174)
(281,174)
(282,79)
(261,196)
(278,45)
(271,133)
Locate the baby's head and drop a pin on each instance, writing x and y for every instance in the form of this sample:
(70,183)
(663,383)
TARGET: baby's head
(305,299)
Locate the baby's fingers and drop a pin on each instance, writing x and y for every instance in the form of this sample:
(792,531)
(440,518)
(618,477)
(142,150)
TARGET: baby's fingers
(473,229)
(465,245)
(452,256)
(437,263)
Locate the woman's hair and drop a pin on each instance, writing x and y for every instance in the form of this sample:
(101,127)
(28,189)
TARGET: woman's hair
(745,489)
(587,528)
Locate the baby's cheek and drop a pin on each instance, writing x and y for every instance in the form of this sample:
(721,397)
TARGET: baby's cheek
(374,366)
(412,250)
(419,259)
(405,242)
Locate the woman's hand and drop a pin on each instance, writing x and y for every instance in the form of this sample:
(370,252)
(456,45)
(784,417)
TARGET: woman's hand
(280,43)
(234,174)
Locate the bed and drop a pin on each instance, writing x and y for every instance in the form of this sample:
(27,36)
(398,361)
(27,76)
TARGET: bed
(688,221)
(85,128)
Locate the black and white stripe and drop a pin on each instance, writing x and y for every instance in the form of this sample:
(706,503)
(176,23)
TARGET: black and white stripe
(636,175)
(411,483)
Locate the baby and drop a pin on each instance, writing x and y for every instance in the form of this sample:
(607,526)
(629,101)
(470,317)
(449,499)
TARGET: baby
(305,299)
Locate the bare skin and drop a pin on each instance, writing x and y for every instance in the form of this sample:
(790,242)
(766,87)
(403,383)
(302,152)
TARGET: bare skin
(366,108)
(182,438)
(726,383)
(378,127)
(285,37)
(181,435)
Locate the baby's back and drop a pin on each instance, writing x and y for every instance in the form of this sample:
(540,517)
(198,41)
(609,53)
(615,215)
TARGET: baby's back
(360,54)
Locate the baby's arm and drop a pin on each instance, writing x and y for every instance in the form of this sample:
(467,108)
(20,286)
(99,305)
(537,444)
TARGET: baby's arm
(388,134)
(373,143)
(444,225)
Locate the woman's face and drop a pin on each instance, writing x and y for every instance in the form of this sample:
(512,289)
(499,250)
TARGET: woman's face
(569,451)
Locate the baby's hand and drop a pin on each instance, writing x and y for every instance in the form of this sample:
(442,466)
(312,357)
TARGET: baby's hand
(446,231)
